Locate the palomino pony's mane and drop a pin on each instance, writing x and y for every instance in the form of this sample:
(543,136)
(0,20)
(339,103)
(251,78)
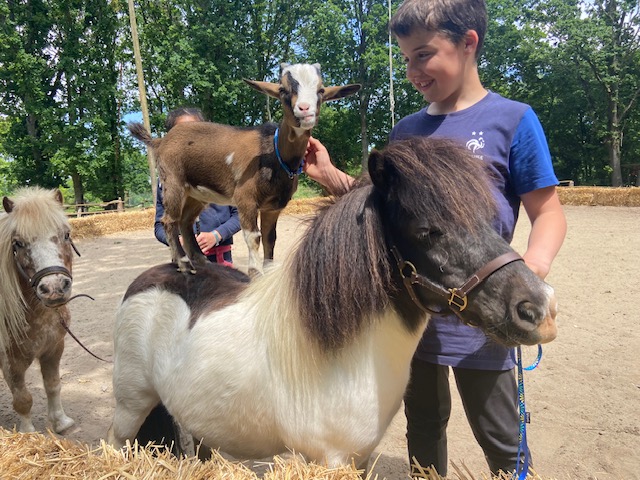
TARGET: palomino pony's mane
(36,213)
(343,268)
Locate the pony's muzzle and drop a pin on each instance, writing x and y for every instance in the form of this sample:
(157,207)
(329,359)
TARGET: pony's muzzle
(538,319)
(54,290)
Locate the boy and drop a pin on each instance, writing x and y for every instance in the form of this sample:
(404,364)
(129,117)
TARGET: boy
(441,41)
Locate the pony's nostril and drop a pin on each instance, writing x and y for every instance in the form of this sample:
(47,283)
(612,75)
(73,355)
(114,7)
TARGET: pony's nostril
(43,289)
(527,312)
(66,284)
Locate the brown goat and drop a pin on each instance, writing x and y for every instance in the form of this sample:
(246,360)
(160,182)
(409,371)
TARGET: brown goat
(254,168)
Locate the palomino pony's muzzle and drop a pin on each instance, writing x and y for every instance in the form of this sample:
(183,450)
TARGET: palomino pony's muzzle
(56,296)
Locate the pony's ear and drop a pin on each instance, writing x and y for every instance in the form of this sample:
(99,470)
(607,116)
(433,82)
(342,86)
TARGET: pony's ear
(7,203)
(271,89)
(58,196)
(378,170)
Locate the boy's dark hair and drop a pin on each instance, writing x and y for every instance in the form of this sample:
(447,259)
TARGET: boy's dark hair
(173,115)
(452,18)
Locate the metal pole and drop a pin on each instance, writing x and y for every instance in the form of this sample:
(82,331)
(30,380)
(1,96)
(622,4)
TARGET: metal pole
(143,94)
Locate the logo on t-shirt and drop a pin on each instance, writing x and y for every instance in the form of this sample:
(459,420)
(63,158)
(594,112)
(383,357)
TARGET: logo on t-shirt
(476,143)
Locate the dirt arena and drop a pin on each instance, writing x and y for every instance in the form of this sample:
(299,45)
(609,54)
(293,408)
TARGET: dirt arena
(584,398)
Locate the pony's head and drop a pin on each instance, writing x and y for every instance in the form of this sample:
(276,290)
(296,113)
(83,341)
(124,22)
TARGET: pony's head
(437,206)
(36,248)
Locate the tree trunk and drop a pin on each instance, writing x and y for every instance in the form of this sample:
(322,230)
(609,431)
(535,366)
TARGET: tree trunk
(615,144)
(78,189)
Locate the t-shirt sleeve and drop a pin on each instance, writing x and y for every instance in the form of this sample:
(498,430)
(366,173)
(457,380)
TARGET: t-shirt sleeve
(530,160)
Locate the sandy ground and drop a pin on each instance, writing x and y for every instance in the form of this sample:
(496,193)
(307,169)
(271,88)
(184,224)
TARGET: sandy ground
(584,398)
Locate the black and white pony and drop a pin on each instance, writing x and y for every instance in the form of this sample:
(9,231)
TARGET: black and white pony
(314,355)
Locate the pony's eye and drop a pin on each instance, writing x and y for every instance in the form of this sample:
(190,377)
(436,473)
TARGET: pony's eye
(67,235)
(17,243)
(428,236)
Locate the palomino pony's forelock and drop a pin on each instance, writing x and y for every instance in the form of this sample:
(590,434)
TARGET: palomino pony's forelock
(35,213)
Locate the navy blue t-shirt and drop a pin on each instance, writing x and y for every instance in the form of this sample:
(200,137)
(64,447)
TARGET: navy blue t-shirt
(507,135)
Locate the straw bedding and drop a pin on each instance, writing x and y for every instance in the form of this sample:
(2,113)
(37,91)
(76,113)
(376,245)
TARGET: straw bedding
(37,455)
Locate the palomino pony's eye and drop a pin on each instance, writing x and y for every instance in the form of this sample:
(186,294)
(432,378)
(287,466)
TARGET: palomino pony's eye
(17,243)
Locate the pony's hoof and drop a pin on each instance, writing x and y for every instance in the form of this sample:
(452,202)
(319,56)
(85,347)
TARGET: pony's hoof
(63,424)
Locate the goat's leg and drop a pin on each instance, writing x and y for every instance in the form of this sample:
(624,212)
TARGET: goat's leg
(248,215)
(172,230)
(268,222)
(50,369)
(190,211)
(14,372)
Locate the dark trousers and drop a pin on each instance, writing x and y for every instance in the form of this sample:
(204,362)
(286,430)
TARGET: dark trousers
(490,400)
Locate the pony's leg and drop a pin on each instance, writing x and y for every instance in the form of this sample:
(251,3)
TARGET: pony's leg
(268,222)
(248,215)
(190,212)
(129,415)
(14,371)
(50,369)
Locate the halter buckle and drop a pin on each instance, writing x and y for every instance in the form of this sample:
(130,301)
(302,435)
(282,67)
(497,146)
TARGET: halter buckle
(458,300)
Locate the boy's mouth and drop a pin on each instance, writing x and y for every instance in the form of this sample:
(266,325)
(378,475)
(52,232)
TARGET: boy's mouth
(423,85)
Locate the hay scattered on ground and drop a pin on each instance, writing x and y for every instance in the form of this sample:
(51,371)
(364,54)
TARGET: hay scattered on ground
(37,455)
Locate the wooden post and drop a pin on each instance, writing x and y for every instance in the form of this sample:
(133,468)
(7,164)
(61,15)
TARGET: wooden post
(143,94)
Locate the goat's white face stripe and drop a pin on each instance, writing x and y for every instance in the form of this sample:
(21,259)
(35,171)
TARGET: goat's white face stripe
(308,81)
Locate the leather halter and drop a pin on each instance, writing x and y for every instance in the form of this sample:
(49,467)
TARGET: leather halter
(456,297)
(40,274)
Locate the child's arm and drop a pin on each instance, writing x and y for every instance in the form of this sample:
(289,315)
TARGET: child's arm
(318,166)
(548,229)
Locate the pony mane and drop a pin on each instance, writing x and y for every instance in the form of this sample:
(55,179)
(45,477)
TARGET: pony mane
(36,213)
(343,269)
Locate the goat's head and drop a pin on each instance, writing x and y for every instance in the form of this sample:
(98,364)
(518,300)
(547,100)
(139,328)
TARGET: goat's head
(301,92)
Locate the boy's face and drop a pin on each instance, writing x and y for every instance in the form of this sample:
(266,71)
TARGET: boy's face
(436,67)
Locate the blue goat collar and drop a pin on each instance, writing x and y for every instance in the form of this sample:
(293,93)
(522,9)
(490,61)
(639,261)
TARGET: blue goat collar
(284,166)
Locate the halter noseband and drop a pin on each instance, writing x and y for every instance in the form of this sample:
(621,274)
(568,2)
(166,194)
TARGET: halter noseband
(40,274)
(456,297)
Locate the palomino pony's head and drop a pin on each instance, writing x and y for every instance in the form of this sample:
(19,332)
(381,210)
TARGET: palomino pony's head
(35,255)
(419,239)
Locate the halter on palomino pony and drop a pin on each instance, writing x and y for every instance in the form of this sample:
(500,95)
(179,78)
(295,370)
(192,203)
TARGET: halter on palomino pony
(53,270)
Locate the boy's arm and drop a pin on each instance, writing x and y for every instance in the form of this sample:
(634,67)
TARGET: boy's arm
(318,166)
(548,228)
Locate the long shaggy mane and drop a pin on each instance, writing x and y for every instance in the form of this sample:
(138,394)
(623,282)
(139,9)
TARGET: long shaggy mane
(343,272)
(36,213)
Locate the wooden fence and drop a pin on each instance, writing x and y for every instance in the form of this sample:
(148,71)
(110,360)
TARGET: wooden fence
(85,209)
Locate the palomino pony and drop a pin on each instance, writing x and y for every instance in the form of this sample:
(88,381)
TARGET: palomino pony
(314,355)
(35,267)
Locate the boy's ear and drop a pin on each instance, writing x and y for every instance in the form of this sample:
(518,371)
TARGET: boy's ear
(471,40)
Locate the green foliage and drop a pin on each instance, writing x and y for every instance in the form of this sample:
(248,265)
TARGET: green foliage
(67,74)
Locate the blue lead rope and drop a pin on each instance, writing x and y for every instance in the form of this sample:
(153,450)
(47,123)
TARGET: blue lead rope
(284,166)
(522,469)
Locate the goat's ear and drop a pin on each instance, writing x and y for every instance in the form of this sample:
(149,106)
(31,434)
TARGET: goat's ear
(7,203)
(271,89)
(334,93)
